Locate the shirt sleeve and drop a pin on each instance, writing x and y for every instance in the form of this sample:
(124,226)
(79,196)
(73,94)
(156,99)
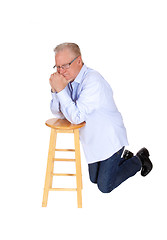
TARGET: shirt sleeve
(55,106)
(86,104)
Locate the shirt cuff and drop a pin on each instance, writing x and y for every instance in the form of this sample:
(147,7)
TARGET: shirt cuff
(63,97)
(54,95)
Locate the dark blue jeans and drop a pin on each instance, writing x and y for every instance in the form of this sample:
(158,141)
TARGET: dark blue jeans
(110,173)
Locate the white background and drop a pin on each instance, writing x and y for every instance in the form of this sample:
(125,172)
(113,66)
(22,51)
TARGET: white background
(126,41)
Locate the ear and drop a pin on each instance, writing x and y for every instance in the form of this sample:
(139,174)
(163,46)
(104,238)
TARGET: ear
(79,60)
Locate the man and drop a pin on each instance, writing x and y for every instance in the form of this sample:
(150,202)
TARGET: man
(82,94)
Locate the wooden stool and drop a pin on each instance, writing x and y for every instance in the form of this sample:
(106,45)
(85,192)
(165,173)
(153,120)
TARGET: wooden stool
(63,126)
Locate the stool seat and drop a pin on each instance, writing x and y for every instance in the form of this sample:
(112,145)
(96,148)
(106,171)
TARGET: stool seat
(63,124)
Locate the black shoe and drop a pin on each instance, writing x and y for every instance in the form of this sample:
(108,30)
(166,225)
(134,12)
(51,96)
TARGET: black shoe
(127,154)
(147,166)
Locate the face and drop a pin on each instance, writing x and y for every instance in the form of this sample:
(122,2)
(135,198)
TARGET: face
(65,56)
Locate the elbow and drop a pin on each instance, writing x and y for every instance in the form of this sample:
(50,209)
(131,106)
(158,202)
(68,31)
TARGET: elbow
(57,114)
(77,119)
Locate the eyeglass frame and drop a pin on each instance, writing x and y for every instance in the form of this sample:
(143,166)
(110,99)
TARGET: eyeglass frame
(67,65)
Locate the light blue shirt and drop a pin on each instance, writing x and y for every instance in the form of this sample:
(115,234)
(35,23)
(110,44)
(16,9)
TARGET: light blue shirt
(89,98)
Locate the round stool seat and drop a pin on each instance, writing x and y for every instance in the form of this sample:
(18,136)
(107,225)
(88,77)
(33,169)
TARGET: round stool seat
(63,124)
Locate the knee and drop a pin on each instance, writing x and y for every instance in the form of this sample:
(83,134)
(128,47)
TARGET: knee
(105,188)
(93,180)
(93,177)
(93,172)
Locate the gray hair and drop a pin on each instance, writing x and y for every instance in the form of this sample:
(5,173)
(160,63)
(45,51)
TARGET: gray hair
(73,47)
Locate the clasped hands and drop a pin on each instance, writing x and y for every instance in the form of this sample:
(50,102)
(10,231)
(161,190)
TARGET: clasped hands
(58,82)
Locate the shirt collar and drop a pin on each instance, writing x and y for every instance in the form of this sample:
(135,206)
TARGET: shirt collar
(79,77)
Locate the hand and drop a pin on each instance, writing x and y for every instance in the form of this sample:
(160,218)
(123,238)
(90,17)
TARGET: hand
(58,82)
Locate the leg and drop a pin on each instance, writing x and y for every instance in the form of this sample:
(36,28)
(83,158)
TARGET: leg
(114,171)
(127,169)
(78,167)
(49,169)
(107,174)
(93,171)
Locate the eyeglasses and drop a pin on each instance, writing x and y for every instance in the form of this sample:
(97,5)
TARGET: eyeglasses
(65,66)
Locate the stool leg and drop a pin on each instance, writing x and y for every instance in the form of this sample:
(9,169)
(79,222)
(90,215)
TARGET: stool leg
(48,178)
(78,168)
(79,157)
(52,166)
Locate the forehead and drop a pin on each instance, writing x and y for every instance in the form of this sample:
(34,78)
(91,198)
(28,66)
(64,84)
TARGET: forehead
(64,56)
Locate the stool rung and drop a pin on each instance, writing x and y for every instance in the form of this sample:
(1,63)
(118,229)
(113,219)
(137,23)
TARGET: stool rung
(63,174)
(64,131)
(63,189)
(65,150)
(64,159)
